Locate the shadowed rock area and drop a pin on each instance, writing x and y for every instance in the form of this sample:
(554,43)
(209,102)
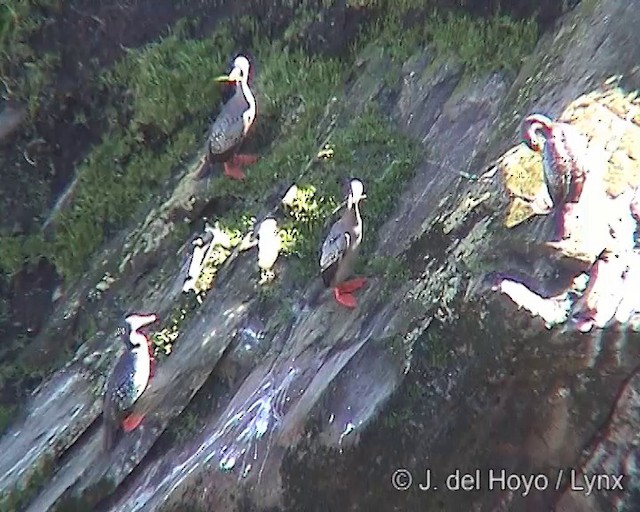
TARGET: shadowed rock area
(283,400)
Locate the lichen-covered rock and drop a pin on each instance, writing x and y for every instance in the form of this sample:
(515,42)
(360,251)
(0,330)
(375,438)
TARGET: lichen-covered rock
(599,228)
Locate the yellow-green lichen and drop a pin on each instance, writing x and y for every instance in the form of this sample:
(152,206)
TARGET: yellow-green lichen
(521,172)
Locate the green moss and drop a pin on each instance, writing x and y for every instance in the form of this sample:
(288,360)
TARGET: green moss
(433,345)
(171,80)
(480,44)
(164,338)
(366,148)
(24,73)
(123,172)
(394,272)
(119,176)
(484,44)
(17,251)
(4,309)
(16,22)
(401,6)
(169,93)
(397,418)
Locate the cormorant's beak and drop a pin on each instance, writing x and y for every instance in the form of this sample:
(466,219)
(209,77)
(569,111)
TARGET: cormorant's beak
(234,76)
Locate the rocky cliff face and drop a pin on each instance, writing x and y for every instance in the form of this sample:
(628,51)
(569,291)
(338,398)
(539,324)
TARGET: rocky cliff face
(282,400)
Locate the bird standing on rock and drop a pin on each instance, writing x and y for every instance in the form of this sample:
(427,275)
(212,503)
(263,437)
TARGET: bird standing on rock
(340,249)
(128,380)
(564,152)
(230,128)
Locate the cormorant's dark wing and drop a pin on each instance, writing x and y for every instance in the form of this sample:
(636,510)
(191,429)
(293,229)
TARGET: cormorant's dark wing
(227,131)
(333,250)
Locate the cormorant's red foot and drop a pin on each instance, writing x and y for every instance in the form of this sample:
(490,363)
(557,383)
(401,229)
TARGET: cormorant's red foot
(343,293)
(233,167)
(132,422)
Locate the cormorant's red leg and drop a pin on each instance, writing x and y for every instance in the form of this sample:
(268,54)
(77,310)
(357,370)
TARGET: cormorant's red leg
(345,299)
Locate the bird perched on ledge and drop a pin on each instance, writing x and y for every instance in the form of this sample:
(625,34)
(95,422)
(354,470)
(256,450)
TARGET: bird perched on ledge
(230,128)
(340,249)
(128,380)
(564,157)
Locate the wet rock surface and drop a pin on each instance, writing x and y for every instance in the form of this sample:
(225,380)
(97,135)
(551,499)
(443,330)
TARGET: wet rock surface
(321,405)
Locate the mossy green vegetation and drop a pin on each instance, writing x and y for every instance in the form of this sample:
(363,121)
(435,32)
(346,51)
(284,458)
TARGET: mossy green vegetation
(485,44)
(164,94)
(168,94)
(164,338)
(185,426)
(135,159)
(19,19)
(171,81)
(480,44)
(161,96)
(400,6)
(18,250)
(365,148)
